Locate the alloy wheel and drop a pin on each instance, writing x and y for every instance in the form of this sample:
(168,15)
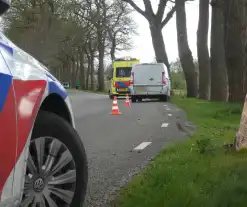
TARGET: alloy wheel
(50,179)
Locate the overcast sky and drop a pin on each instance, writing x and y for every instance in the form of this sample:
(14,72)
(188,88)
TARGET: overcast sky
(143,48)
(143,44)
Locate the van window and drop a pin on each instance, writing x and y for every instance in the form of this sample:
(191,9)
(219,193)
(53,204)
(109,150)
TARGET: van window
(123,72)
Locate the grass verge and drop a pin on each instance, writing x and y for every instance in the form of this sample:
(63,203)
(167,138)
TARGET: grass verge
(192,174)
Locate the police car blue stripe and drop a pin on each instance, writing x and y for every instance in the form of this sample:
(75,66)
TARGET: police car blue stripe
(7,48)
(5,84)
(50,76)
(54,88)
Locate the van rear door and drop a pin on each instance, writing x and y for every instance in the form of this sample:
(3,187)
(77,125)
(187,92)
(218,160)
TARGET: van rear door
(148,78)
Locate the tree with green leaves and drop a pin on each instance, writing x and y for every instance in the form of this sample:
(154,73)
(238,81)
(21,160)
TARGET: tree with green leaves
(71,37)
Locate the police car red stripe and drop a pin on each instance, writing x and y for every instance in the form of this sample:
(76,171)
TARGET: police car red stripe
(28,98)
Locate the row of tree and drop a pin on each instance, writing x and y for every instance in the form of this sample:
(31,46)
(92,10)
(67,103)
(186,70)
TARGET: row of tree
(225,71)
(72,37)
(222,74)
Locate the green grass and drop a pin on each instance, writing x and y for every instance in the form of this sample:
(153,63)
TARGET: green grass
(182,176)
(179,92)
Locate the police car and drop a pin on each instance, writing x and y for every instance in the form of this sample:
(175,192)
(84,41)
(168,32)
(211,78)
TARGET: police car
(42,158)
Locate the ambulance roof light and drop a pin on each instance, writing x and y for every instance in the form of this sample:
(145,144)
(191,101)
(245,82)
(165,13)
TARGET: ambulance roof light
(127,58)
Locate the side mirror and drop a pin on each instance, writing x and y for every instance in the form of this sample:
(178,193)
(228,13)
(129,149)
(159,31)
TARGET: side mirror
(4,6)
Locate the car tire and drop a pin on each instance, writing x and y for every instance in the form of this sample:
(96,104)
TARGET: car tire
(50,125)
(164,98)
(133,99)
(110,96)
(139,99)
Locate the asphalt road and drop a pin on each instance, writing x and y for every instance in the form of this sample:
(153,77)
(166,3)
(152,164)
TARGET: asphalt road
(110,141)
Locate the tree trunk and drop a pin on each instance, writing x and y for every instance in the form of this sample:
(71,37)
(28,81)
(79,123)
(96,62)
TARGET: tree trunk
(73,73)
(88,75)
(88,71)
(92,70)
(159,45)
(184,52)
(82,69)
(202,50)
(156,23)
(219,79)
(101,81)
(113,49)
(235,36)
(240,141)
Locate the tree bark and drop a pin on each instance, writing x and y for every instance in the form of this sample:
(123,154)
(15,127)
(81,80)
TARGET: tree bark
(101,81)
(240,141)
(73,73)
(74,65)
(113,48)
(202,50)
(82,69)
(101,26)
(88,75)
(92,71)
(159,45)
(219,79)
(184,51)
(88,70)
(235,38)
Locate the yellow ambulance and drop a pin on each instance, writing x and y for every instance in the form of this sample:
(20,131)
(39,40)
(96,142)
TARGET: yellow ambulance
(119,80)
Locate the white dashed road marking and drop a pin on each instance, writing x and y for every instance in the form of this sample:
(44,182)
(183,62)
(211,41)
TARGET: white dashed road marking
(169,114)
(164,125)
(142,146)
(168,109)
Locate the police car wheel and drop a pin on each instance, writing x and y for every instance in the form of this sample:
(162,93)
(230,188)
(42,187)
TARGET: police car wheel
(57,171)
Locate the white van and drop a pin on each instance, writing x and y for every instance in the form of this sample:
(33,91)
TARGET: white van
(150,80)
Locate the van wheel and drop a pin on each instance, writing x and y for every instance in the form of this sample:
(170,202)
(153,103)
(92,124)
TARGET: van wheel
(164,98)
(133,99)
(110,96)
(57,170)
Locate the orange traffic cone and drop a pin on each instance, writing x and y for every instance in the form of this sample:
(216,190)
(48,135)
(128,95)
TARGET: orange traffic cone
(127,101)
(115,109)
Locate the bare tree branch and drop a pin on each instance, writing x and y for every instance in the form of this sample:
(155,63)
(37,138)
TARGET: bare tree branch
(143,13)
(148,8)
(168,16)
